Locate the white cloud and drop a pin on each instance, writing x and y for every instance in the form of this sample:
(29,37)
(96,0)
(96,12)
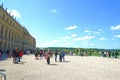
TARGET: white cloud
(71,27)
(87,31)
(96,32)
(92,44)
(102,39)
(117,36)
(55,41)
(68,43)
(48,44)
(14,13)
(83,38)
(74,35)
(100,30)
(115,27)
(65,37)
(53,11)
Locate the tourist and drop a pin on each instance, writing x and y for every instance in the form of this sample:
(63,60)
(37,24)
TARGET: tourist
(21,54)
(60,56)
(16,56)
(43,53)
(10,53)
(1,54)
(102,53)
(48,54)
(109,54)
(56,53)
(113,54)
(63,56)
(116,54)
(40,53)
(36,54)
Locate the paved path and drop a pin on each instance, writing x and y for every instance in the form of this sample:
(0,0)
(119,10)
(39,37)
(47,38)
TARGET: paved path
(74,68)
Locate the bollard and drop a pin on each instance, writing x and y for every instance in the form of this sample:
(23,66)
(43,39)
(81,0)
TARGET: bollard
(3,75)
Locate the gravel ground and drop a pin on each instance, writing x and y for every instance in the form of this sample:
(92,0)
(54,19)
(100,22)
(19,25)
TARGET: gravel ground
(74,68)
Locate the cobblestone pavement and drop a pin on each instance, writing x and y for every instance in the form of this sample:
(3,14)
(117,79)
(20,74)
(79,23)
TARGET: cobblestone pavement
(74,68)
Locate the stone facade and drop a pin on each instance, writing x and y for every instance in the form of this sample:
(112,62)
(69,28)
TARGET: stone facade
(12,34)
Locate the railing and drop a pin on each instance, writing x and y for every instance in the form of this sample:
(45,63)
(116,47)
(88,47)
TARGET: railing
(2,74)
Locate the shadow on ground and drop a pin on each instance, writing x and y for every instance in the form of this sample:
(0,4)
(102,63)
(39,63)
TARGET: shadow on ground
(53,64)
(22,63)
(66,61)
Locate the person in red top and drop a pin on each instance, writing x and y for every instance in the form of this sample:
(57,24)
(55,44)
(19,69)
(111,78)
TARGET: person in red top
(21,54)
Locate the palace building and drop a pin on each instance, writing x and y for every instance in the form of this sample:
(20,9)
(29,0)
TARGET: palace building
(12,34)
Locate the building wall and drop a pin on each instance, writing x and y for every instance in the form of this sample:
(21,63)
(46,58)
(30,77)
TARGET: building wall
(12,34)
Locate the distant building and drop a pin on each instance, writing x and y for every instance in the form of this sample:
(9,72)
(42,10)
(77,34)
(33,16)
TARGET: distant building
(12,34)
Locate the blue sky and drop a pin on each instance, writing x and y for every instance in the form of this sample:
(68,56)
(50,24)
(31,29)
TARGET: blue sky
(69,23)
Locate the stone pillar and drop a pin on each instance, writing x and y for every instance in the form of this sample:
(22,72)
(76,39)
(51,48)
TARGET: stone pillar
(8,32)
(3,44)
(0,44)
(13,37)
(4,30)
(0,30)
(7,47)
(10,35)
(12,45)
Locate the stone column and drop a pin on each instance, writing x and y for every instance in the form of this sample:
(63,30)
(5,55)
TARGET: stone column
(0,44)
(3,44)
(12,45)
(10,35)
(4,30)
(0,29)
(7,45)
(8,32)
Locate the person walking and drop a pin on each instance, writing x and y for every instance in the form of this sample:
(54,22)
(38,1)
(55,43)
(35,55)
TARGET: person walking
(60,56)
(56,53)
(21,54)
(63,56)
(47,56)
(116,54)
(1,54)
(36,53)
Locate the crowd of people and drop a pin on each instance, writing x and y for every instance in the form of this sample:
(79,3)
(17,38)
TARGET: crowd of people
(59,55)
(47,54)
(16,54)
(109,54)
(113,54)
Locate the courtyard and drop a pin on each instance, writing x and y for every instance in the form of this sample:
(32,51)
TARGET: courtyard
(74,68)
